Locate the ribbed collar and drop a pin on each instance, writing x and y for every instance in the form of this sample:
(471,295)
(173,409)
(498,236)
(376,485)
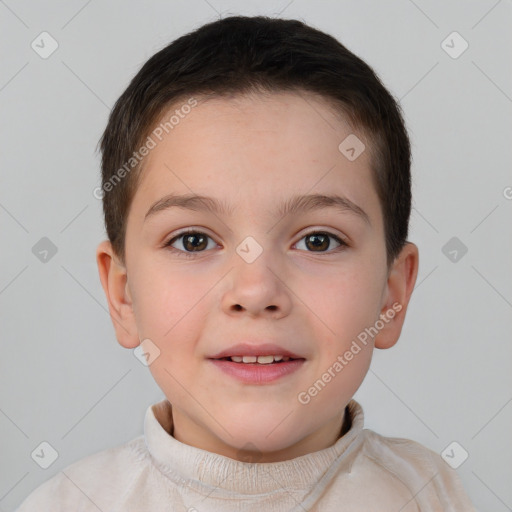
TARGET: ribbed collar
(205,471)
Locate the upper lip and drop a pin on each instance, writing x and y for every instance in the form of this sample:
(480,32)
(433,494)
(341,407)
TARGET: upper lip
(256,349)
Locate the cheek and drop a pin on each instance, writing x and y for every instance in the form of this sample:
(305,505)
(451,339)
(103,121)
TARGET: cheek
(346,375)
(167,302)
(347,301)
(169,311)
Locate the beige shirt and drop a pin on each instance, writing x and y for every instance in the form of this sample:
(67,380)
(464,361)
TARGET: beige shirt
(362,472)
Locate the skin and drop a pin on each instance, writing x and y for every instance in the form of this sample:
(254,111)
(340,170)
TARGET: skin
(254,152)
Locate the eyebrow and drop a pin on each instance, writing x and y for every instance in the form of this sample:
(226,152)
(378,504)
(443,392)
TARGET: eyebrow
(295,204)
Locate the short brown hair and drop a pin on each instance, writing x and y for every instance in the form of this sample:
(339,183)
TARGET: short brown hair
(243,54)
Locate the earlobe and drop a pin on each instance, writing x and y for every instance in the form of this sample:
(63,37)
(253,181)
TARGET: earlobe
(400,284)
(113,277)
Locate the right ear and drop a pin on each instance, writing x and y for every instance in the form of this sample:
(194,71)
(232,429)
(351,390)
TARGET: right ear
(114,279)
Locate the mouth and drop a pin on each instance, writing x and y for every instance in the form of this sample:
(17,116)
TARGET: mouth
(256,369)
(259,360)
(257,363)
(256,352)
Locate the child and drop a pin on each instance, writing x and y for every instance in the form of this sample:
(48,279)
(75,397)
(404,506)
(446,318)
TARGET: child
(256,192)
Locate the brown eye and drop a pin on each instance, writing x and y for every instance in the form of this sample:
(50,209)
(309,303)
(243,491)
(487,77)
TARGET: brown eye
(194,242)
(319,241)
(191,242)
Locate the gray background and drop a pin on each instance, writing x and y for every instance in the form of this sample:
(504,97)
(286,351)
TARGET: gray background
(64,378)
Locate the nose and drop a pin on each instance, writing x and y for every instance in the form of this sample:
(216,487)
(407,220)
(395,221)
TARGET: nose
(257,288)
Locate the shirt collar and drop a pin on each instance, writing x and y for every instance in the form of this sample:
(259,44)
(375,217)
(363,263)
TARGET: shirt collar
(209,472)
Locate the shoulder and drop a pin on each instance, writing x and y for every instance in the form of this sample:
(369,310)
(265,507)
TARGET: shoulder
(92,483)
(419,469)
(396,453)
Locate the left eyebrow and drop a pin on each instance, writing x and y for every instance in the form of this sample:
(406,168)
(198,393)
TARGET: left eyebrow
(295,204)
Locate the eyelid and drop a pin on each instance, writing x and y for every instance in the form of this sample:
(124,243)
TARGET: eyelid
(185,254)
(189,229)
(185,231)
(328,231)
(341,240)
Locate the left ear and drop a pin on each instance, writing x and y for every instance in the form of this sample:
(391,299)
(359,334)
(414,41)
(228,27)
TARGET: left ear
(401,280)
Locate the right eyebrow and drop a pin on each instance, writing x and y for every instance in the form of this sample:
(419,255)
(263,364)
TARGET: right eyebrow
(189,202)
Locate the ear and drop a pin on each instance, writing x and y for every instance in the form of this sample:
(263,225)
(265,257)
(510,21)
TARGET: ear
(114,279)
(400,284)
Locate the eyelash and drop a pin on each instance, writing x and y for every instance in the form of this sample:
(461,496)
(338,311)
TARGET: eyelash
(191,254)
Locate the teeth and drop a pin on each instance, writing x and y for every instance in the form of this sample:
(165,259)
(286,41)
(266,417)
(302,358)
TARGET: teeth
(264,359)
(259,359)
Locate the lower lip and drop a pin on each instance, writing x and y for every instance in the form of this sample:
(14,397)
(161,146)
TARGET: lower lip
(255,373)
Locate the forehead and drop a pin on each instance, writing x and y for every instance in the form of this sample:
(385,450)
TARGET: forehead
(257,147)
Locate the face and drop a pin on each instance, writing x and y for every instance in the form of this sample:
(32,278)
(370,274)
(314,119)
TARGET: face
(309,281)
